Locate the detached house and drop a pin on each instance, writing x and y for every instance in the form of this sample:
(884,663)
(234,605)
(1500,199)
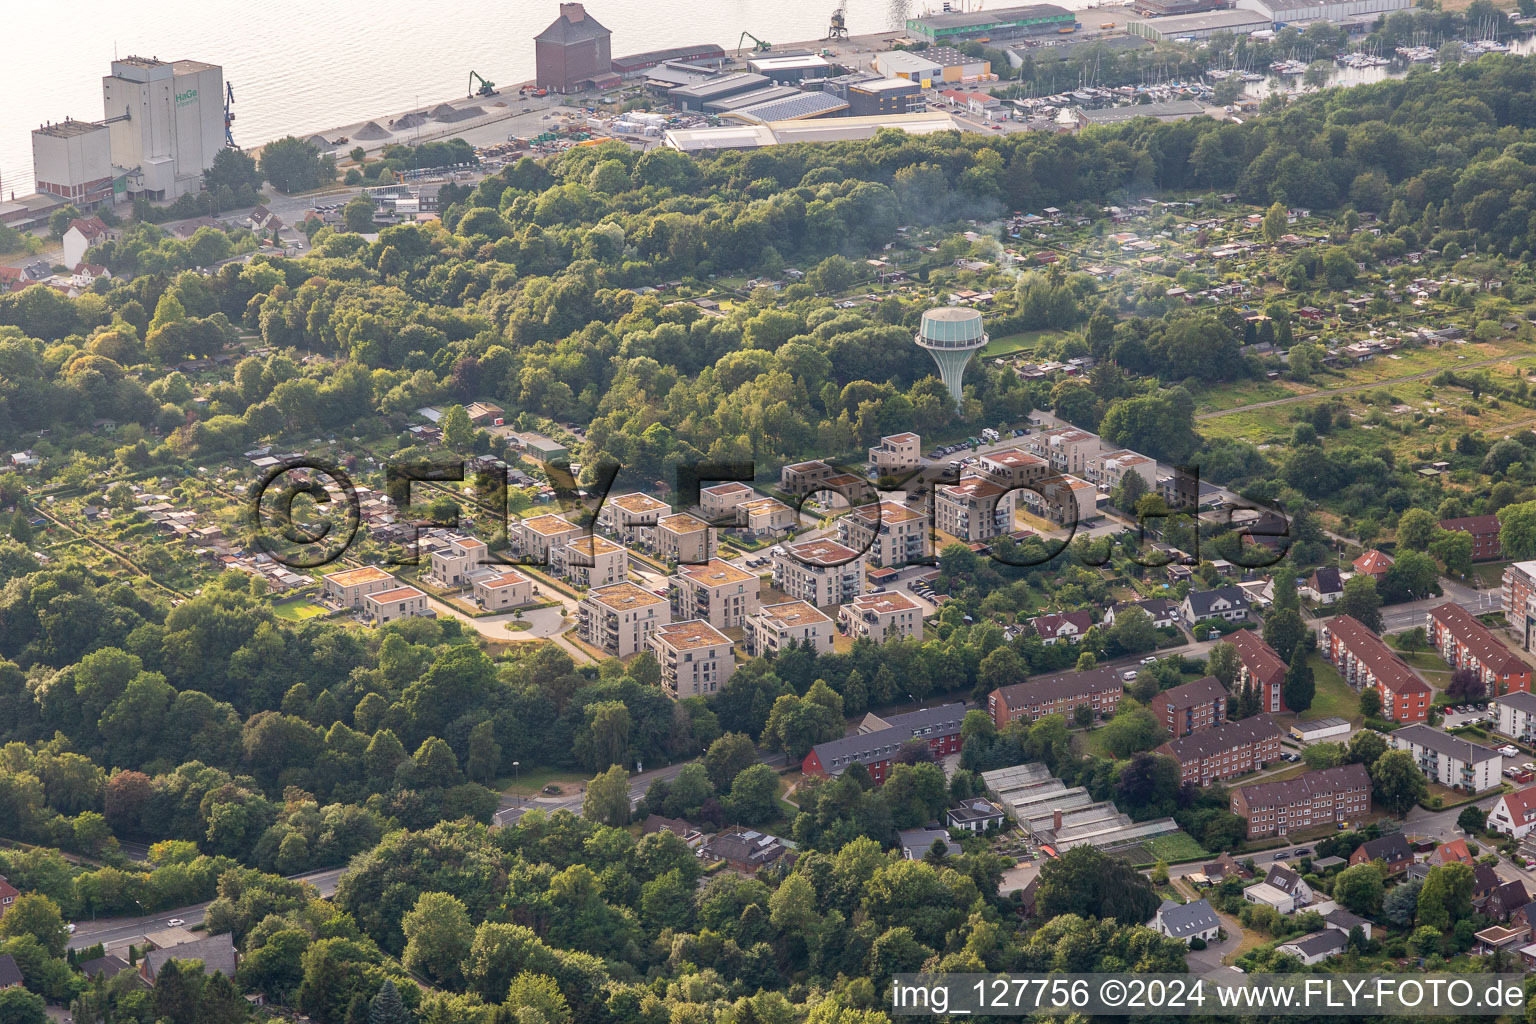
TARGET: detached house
(1186,921)
(1324,586)
(1282,888)
(1228,603)
(1067,627)
(1514,814)
(1392,850)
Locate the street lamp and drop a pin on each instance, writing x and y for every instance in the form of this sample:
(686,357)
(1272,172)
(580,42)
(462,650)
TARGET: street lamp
(517,781)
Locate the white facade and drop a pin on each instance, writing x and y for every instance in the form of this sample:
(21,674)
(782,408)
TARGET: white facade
(1292,11)
(174,125)
(774,627)
(73,160)
(1517,715)
(1449,760)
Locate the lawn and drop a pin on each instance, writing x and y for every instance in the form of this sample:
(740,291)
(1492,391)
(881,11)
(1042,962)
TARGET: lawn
(1490,574)
(297,610)
(530,782)
(1180,846)
(1241,393)
(1011,343)
(1333,697)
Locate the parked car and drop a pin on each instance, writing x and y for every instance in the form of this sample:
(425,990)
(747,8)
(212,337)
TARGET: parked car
(1509,750)
(1130,675)
(1149,659)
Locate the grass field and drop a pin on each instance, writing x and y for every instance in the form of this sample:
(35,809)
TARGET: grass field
(1231,396)
(1026,340)
(1490,574)
(1179,846)
(298,610)
(530,782)
(1333,697)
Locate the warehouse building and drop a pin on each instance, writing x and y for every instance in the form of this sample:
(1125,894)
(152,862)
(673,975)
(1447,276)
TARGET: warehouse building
(800,107)
(693,97)
(1173,110)
(1291,12)
(791,68)
(573,52)
(830,129)
(637,64)
(935,64)
(1003,23)
(73,160)
(910,66)
(883,96)
(1200,26)
(165,123)
(746,99)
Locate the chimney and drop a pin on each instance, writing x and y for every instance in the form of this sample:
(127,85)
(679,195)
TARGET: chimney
(1056,820)
(572,12)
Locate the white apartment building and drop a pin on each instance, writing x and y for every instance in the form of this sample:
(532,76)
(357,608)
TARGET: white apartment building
(1065,499)
(889,534)
(1517,715)
(695,658)
(620,619)
(1448,760)
(716,592)
(348,588)
(882,617)
(774,627)
(897,453)
(399,603)
(805,477)
(591,561)
(720,500)
(1067,449)
(684,539)
(630,514)
(453,563)
(1108,469)
(1014,467)
(975,509)
(819,572)
(539,536)
(765,517)
(495,591)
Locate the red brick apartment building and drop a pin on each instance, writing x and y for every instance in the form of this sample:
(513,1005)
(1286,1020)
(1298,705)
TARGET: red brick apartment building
(1192,707)
(1232,748)
(1465,642)
(1061,694)
(1485,535)
(1335,794)
(1363,660)
(1260,666)
(879,740)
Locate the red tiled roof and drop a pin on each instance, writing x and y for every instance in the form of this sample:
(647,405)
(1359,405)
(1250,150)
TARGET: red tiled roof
(1478,639)
(1521,805)
(1373,562)
(1480,526)
(1390,670)
(1258,657)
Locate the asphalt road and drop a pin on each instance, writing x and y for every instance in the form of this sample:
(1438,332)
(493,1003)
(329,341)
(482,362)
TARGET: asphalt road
(120,931)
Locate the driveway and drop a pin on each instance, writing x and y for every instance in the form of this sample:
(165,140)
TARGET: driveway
(1210,959)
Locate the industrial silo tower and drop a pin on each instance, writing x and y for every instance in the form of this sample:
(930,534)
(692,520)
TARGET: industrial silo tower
(952,335)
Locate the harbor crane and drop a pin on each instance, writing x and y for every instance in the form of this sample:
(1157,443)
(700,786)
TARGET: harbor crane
(486,88)
(758,46)
(229,115)
(838,29)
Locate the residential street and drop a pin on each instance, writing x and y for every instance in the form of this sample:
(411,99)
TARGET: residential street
(120,931)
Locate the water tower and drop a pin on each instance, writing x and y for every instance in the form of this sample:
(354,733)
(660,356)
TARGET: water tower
(952,335)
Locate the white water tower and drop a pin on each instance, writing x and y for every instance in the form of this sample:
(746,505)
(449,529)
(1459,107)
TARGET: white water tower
(952,334)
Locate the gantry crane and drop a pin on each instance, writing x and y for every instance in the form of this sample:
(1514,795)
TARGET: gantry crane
(838,29)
